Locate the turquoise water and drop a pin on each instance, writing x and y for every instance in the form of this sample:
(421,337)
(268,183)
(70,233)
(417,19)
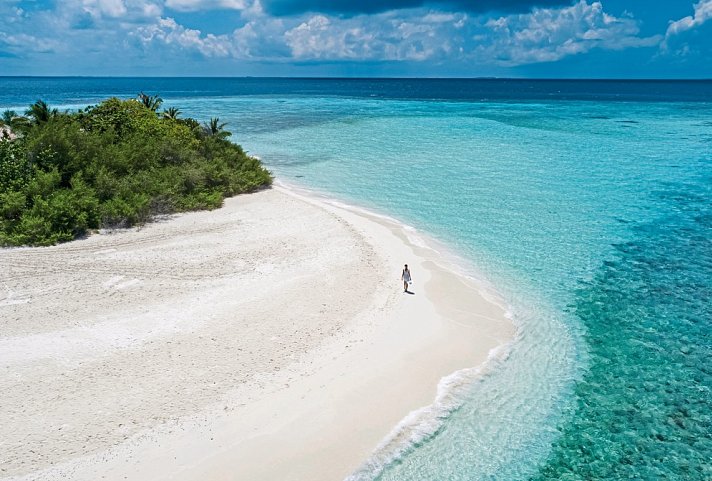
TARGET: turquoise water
(587,205)
(541,197)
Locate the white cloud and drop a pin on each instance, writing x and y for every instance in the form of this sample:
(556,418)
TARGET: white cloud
(317,37)
(377,37)
(108,8)
(440,17)
(21,42)
(77,27)
(543,35)
(195,5)
(547,35)
(258,39)
(702,13)
(320,38)
(167,31)
(262,39)
(121,10)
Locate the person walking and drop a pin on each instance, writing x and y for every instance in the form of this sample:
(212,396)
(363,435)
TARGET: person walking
(406,278)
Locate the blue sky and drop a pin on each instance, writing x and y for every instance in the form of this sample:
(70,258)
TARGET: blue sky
(424,38)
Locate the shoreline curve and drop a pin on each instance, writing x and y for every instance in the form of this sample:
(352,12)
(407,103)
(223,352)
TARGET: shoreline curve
(368,358)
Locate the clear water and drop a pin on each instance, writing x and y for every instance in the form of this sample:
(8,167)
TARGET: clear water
(587,204)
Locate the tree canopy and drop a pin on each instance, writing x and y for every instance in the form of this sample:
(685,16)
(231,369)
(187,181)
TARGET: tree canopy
(115,164)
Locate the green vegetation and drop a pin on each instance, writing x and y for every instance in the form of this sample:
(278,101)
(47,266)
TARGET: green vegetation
(116,164)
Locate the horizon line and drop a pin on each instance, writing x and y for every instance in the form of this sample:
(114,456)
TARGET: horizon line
(321,77)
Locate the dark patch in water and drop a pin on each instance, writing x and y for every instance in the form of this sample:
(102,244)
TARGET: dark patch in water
(523,120)
(627,121)
(644,409)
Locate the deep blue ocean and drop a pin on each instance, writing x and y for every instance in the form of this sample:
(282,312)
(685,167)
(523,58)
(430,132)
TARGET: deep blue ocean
(586,204)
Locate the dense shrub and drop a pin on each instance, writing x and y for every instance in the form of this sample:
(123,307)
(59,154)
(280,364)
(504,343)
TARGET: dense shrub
(15,168)
(115,164)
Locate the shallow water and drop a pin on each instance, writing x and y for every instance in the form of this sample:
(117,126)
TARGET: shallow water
(587,205)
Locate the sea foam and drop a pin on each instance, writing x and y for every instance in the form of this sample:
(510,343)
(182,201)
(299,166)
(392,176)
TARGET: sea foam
(421,424)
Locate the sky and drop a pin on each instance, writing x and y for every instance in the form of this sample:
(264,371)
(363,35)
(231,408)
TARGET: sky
(358,38)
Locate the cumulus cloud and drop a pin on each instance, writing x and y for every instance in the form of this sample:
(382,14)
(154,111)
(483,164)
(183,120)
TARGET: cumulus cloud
(115,9)
(351,7)
(109,8)
(196,5)
(262,38)
(547,35)
(385,37)
(702,13)
(21,42)
(17,40)
(168,32)
(543,35)
(434,35)
(74,27)
(256,40)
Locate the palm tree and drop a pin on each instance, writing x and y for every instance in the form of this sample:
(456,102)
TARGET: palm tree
(215,128)
(14,121)
(151,102)
(7,117)
(171,113)
(40,112)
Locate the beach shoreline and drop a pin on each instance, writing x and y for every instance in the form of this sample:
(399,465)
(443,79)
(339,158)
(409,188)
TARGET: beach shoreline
(339,355)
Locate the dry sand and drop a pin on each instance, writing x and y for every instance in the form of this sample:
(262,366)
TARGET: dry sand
(267,340)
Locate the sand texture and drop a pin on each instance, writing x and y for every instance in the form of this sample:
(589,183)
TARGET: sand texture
(269,339)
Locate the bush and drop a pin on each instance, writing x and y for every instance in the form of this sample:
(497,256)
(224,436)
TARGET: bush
(114,165)
(15,168)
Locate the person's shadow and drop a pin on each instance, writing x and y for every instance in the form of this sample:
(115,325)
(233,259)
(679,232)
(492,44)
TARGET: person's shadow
(409,292)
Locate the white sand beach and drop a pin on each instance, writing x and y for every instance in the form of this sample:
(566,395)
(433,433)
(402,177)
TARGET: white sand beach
(266,340)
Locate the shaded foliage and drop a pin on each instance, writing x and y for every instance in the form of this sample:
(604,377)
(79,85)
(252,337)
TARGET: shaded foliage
(115,164)
(14,121)
(7,117)
(171,113)
(40,112)
(216,128)
(151,102)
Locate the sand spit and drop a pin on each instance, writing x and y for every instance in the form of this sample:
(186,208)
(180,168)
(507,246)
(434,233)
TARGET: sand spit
(269,339)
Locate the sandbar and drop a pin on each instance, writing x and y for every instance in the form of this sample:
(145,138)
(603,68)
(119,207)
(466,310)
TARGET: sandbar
(269,339)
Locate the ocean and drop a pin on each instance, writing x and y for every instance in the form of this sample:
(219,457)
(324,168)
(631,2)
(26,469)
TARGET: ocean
(586,204)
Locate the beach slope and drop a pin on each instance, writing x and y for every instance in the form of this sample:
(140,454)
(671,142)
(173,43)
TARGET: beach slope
(269,339)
